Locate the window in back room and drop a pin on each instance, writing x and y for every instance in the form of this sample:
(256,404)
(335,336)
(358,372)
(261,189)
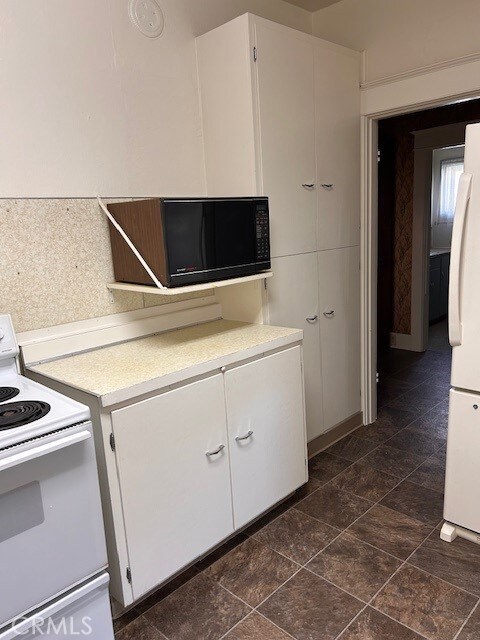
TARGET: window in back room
(447,168)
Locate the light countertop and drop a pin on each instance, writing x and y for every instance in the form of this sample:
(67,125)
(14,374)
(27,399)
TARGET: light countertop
(122,371)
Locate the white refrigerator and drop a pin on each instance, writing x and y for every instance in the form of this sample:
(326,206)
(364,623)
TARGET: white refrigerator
(462,500)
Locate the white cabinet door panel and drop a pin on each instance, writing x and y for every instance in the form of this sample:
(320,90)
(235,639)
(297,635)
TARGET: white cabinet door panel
(339,285)
(463,470)
(287,138)
(176,499)
(265,397)
(337,134)
(292,298)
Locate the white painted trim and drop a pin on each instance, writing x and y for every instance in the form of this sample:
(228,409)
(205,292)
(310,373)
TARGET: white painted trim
(420,71)
(105,322)
(432,87)
(425,90)
(404,341)
(51,347)
(368,269)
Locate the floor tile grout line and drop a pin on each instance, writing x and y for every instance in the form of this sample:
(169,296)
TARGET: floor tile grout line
(384,443)
(414,566)
(457,635)
(426,381)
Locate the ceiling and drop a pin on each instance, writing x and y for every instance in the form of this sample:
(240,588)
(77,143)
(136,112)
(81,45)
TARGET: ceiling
(312,5)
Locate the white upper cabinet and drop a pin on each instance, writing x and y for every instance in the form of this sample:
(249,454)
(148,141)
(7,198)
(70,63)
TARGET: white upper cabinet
(339,285)
(293,302)
(286,107)
(337,137)
(281,111)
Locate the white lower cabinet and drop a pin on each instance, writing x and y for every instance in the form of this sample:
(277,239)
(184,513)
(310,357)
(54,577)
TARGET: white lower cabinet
(176,499)
(187,481)
(264,402)
(293,302)
(339,286)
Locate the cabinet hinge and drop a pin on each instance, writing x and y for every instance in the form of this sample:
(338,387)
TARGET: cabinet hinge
(255,54)
(112,442)
(129,576)
(379,155)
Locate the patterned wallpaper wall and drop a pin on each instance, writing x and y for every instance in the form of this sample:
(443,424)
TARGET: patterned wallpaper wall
(398,132)
(55,263)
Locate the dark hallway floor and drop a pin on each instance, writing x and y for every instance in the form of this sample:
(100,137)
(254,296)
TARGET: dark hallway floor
(354,555)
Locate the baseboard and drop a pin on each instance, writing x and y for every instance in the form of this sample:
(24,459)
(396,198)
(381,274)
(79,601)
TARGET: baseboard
(336,433)
(405,342)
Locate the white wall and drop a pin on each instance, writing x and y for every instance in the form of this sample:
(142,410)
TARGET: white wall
(90,105)
(401,35)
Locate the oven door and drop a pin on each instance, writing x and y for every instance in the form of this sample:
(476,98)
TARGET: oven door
(51,527)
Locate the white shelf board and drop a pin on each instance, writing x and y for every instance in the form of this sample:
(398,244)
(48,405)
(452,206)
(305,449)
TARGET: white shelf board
(176,291)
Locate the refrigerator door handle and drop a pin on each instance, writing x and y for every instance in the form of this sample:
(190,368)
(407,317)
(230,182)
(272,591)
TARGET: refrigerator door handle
(454,319)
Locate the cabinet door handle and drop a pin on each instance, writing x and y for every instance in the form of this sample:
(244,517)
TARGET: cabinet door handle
(216,451)
(248,435)
(329,314)
(311,319)
(308,185)
(327,185)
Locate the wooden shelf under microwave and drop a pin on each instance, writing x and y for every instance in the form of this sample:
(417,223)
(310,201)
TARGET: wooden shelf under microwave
(177,291)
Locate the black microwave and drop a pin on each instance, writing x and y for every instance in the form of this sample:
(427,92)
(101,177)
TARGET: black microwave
(188,241)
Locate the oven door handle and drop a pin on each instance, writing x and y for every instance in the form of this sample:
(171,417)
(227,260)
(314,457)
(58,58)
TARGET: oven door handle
(44,449)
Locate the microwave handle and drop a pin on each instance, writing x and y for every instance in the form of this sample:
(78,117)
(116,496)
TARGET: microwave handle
(134,249)
(43,449)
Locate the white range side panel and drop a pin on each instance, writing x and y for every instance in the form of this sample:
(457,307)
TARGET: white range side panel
(339,286)
(176,500)
(224,58)
(466,356)
(286,109)
(266,397)
(461,506)
(292,298)
(337,140)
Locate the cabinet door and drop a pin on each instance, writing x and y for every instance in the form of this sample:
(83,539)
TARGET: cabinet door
(176,499)
(339,283)
(293,302)
(266,430)
(287,135)
(435,305)
(337,134)
(463,470)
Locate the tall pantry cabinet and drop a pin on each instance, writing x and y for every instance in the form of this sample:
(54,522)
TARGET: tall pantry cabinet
(281,118)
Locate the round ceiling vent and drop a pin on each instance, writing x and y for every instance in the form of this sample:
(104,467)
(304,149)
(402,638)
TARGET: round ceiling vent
(147,16)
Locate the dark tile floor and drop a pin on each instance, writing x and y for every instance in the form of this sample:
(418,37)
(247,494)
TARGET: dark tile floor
(353,555)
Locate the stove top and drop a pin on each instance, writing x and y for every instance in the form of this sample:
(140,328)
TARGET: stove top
(34,411)
(7,393)
(29,409)
(17,414)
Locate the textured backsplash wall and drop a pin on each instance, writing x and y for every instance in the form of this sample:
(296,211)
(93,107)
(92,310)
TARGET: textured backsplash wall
(55,263)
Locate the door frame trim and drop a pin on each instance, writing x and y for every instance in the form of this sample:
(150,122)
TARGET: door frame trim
(417,91)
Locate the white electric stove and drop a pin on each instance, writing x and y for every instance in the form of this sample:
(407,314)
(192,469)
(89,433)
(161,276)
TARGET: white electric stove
(52,544)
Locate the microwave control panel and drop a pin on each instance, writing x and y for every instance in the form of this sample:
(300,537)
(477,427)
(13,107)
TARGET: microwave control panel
(262,233)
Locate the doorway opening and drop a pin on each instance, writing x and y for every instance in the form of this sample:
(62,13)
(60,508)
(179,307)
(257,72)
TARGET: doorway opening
(420,161)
